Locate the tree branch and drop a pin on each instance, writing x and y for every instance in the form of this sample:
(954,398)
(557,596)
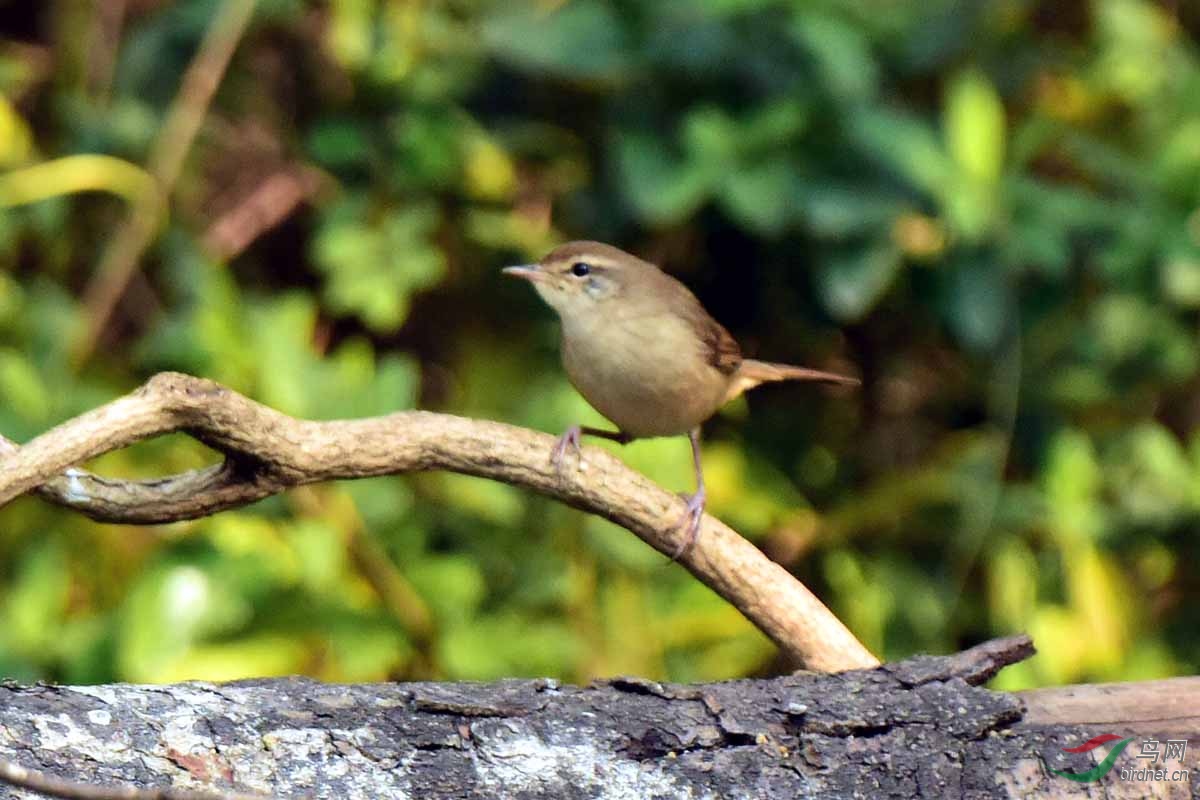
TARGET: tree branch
(267,452)
(53,786)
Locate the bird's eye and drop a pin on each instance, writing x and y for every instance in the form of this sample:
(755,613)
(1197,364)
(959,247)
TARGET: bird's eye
(580,268)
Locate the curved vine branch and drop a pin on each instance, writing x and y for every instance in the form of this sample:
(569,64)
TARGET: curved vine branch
(267,452)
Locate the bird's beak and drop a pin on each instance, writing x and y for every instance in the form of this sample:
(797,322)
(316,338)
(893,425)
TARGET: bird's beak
(530,272)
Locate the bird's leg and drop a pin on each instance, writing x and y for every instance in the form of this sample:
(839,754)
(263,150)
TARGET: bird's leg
(694,512)
(570,439)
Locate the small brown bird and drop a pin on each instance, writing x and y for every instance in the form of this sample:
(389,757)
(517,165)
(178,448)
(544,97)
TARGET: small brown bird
(644,353)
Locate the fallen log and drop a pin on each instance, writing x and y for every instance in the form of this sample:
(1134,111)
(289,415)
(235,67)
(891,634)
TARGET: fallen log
(923,727)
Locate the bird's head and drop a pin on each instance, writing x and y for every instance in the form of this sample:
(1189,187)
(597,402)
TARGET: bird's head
(582,277)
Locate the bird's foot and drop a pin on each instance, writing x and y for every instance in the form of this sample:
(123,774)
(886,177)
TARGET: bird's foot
(692,515)
(568,441)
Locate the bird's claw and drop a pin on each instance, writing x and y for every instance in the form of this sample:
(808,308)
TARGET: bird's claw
(569,439)
(692,515)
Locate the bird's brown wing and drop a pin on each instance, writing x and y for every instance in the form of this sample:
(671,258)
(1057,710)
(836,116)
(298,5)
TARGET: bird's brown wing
(721,349)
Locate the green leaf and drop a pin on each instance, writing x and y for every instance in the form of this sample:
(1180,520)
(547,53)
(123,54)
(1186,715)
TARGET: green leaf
(840,210)
(1150,474)
(974,126)
(841,52)
(771,127)
(579,39)
(22,389)
(427,147)
(320,554)
(36,601)
(1011,582)
(372,266)
(661,187)
(979,303)
(711,137)
(349,34)
(851,282)
(167,612)
(508,645)
(905,144)
(339,143)
(453,585)
(761,197)
(1179,275)
(282,334)
(365,652)
(1071,477)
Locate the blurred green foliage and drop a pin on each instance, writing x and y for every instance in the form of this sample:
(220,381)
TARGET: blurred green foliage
(991,208)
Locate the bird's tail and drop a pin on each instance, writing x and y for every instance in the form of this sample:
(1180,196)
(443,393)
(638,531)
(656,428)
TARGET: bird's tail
(751,373)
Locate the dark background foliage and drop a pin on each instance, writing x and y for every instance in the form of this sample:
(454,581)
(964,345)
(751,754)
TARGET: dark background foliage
(989,209)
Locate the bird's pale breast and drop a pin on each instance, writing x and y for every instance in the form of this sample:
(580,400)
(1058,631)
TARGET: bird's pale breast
(647,374)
